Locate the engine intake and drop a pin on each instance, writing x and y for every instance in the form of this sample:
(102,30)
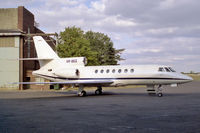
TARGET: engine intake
(67,73)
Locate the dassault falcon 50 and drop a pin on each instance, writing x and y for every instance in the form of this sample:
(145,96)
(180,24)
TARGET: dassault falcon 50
(73,71)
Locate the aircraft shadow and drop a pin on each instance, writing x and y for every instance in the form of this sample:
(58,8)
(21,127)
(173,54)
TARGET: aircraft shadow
(73,95)
(106,94)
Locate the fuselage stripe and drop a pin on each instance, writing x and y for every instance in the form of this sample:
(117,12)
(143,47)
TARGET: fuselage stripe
(125,78)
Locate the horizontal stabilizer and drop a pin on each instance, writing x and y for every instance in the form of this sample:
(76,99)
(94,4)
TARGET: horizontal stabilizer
(35,58)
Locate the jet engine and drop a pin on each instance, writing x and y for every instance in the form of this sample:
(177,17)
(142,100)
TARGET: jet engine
(67,73)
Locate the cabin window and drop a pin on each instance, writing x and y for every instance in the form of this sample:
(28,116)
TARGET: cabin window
(172,69)
(102,71)
(107,71)
(125,70)
(113,71)
(167,69)
(161,69)
(96,71)
(132,70)
(120,70)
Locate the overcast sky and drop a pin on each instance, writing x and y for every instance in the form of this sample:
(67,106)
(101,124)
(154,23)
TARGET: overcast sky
(152,31)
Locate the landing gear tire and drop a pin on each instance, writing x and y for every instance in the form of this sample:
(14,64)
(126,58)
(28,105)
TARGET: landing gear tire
(160,94)
(82,94)
(159,91)
(155,91)
(98,92)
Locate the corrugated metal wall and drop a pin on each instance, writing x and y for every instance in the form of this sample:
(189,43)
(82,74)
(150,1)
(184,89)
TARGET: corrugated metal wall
(9,63)
(7,41)
(9,49)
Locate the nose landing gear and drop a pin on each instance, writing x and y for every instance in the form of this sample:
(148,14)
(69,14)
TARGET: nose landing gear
(155,91)
(159,91)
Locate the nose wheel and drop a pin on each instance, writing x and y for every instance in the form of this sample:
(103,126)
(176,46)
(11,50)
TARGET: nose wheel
(159,91)
(155,91)
(160,94)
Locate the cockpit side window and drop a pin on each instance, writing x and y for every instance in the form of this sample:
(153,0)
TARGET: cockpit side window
(167,69)
(171,69)
(161,69)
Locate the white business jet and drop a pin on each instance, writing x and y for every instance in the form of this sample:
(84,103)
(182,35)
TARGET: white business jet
(72,71)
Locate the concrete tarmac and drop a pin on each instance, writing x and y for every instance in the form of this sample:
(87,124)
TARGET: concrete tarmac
(116,111)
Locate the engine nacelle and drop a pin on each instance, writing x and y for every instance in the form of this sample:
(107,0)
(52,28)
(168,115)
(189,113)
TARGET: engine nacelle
(67,73)
(80,61)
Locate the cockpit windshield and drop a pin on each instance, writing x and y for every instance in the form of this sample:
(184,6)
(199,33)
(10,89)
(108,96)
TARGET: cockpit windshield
(166,69)
(161,69)
(172,69)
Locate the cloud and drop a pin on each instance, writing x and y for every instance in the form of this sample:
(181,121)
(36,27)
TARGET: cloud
(142,50)
(60,3)
(180,15)
(180,52)
(98,5)
(151,31)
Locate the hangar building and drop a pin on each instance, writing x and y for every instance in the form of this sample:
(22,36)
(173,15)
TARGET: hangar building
(15,24)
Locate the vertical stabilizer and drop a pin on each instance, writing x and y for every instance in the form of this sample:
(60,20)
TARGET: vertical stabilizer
(44,52)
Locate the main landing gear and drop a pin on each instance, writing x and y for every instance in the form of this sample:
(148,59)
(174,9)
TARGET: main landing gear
(152,91)
(82,92)
(98,90)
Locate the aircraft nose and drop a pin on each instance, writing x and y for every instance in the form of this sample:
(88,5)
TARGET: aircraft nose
(189,78)
(186,78)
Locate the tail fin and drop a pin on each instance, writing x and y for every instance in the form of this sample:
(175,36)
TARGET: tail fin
(44,52)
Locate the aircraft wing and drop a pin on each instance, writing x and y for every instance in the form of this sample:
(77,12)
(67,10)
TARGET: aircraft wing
(93,82)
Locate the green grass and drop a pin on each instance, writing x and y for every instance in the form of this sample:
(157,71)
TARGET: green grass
(196,77)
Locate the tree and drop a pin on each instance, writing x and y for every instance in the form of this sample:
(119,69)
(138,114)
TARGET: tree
(95,46)
(71,43)
(102,44)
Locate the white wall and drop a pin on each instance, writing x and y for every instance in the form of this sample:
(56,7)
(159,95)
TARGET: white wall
(9,65)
